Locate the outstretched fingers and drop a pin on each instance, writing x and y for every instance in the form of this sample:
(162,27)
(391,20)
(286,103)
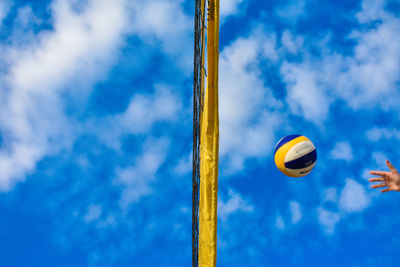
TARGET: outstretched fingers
(378,179)
(380,173)
(379,185)
(385,178)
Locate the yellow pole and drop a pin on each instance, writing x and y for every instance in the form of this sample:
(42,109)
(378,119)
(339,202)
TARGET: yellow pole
(209,142)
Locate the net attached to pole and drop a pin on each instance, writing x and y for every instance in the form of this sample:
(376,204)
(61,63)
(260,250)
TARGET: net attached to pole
(205,134)
(198,92)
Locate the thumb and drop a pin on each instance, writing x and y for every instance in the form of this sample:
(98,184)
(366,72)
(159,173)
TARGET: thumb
(390,166)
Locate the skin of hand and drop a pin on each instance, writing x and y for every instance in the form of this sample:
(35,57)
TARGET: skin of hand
(391,179)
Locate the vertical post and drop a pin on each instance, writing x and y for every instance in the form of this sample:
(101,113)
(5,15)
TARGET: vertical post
(209,146)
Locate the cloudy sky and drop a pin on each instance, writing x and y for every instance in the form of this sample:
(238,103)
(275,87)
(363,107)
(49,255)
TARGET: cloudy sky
(96,132)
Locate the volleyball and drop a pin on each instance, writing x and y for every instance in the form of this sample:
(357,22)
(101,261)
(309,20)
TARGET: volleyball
(295,155)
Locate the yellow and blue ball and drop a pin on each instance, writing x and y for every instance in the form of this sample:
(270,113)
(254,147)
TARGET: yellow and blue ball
(295,155)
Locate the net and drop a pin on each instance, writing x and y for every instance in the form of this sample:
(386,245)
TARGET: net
(198,91)
(205,134)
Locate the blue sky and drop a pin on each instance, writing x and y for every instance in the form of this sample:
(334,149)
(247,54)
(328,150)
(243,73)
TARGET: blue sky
(96,132)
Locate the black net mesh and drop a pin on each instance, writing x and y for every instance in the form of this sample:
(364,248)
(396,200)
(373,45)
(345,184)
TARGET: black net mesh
(198,80)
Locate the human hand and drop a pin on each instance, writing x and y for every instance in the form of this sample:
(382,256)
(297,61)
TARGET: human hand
(391,179)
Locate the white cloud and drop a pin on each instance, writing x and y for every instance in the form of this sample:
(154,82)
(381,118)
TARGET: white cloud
(164,22)
(330,195)
(379,159)
(342,150)
(248,110)
(313,84)
(279,223)
(291,43)
(371,10)
(292,11)
(93,213)
(328,220)
(370,73)
(75,55)
(145,110)
(233,204)
(164,19)
(138,178)
(184,165)
(294,217)
(67,61)
(376,134)
(21,160)
(353,197)
(306,95)
(79,45)
(108,221)
(5,6)
(26,17)
(229,7)
(295,210)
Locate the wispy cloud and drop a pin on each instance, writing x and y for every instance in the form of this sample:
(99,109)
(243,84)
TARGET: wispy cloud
(330,195)
(328,220)
(80,49)
(234,203)
(165,25)
(292,43)
(359,79)
(376,134)
(294,215)
(342,150)
(229,8)
(279,222)
(93,213)
(68,61)
(371,10)
(305,97)
(295,210)
(293,11)
(353,197)
(145,110)
(249,111)
(4,9)
(184,165)
(137,179)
